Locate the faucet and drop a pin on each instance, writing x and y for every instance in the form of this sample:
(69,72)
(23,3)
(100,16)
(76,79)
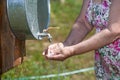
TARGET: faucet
(45,34)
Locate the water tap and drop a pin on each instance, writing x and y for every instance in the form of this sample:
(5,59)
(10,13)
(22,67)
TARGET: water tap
(45,34)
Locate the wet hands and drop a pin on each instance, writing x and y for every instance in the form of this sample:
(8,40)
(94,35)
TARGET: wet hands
(58,52)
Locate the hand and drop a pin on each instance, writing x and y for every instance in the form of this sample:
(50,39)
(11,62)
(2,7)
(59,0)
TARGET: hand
(58,52)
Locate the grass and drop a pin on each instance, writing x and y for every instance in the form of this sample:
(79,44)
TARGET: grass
(62,16)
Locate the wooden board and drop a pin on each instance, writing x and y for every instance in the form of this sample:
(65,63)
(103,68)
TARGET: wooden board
(12,49)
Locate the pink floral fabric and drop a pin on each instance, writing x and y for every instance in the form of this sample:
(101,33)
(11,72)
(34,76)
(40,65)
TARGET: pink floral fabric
(107,58)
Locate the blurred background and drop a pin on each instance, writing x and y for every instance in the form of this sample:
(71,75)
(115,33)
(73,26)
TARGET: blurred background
(63,15)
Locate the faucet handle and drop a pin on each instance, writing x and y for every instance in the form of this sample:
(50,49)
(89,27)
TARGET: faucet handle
(46,33)
(50,28)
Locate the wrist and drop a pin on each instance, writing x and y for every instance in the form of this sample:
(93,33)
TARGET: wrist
(71,50)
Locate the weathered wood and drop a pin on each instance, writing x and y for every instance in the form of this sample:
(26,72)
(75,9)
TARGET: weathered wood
(0,37)
(12,50)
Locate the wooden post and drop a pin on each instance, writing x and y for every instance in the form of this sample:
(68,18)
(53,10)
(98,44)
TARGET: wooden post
(12,49)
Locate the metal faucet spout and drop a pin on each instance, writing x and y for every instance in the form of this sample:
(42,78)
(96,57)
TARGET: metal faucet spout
(45,34)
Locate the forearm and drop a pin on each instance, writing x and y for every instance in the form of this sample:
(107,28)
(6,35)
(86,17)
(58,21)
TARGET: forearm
(77,34)
(80,28)
(97,41)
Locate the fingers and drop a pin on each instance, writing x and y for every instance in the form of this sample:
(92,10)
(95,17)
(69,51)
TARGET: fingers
(58,57)
(55,52)
(55,48)
(49,49)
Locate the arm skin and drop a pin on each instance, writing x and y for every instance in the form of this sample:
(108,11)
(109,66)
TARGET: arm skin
(80,28)
(100,39)
(78,32)
(106,36)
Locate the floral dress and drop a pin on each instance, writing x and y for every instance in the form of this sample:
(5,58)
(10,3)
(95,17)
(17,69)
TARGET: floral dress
(107,58)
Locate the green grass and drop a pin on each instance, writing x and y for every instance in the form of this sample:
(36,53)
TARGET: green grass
(63,16)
